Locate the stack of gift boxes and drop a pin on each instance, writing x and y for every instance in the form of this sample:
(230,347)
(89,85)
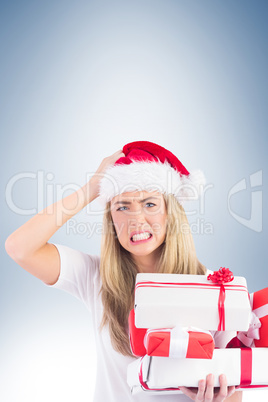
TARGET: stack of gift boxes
(176,322)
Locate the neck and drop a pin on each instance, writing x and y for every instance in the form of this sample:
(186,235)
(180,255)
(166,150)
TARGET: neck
(146,263)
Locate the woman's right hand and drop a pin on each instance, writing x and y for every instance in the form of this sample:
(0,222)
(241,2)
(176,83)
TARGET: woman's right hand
(207,393)
(107,162)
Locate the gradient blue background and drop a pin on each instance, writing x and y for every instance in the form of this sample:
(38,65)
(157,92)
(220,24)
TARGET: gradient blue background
(79,79)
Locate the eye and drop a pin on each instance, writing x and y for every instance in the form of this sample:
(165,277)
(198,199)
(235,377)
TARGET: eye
(120,208)
(150,203)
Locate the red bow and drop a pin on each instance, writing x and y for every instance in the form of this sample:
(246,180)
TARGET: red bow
(223,275)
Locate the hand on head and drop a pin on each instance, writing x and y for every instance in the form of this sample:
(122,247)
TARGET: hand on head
(105,164)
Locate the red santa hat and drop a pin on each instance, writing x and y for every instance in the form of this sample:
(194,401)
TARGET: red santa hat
(150,167)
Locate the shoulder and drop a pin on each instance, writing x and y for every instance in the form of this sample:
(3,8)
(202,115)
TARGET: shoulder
(76,267)
(73,256)
(79,274)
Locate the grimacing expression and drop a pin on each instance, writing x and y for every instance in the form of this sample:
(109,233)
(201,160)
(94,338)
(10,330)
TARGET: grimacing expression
(140,220)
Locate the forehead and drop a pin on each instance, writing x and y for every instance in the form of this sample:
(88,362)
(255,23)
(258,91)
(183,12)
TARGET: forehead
(136,196)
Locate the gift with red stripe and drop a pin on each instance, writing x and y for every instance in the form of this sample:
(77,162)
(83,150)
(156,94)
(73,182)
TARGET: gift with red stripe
(179,342)
(244,368)
(257,334)
(207,302)
(136,336)
(175,342)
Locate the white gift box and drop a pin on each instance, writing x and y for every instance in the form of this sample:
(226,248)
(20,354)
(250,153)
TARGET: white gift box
(167,300)
(242,367)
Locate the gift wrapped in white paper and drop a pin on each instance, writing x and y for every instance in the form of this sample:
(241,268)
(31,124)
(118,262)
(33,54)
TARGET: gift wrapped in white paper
(167,300)
(242,367)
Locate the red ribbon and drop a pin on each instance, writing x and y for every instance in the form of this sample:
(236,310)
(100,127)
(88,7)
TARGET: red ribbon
(246,367)
(220,277)
(221,326)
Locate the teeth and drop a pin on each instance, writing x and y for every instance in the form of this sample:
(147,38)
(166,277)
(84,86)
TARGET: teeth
(141,236)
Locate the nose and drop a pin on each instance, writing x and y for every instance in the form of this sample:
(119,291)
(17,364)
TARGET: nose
(139,215)
(138,220)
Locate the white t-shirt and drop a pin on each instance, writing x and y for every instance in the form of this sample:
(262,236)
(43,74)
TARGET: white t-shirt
(79,276)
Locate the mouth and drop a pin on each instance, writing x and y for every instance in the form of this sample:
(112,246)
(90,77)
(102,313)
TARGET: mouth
(140,237)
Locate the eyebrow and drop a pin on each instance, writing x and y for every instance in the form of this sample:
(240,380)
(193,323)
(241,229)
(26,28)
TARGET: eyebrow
(141,201)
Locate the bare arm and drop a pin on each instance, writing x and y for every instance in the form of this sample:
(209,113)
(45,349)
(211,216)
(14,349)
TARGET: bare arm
(28,245)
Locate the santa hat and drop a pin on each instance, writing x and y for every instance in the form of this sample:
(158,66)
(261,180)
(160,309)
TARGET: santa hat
(150,167)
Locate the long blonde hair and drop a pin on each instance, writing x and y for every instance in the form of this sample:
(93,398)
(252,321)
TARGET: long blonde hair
(118,270)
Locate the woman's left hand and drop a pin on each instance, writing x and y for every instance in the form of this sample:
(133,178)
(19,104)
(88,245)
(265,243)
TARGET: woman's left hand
(205,391)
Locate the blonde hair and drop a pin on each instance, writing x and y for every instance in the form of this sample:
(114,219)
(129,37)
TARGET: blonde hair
(118,270)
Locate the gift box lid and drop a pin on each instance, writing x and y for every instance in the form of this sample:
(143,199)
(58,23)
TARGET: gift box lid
(182,278)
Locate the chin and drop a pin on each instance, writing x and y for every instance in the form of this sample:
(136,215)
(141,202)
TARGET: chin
(143,253)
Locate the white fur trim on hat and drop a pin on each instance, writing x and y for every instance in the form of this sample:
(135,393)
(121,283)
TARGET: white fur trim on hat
(150,176)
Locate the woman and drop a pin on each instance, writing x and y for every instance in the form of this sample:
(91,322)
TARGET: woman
(145,229)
